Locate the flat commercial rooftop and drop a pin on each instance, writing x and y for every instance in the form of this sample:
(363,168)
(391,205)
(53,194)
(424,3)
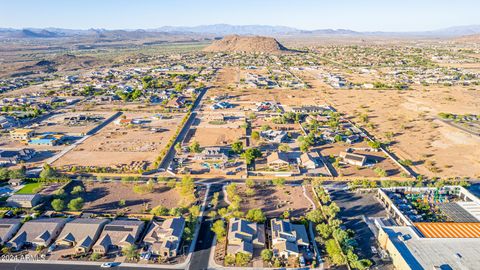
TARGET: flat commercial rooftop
(449,229)
(427,253)
(457,213)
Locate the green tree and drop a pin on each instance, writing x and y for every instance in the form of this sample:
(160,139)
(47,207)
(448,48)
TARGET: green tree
(218,228)
(159,210)
(250,183)
(172,183)
(315,216)
(229,260)
(278,181)
(324,230)
(237,147)
(334,252)
(242,259)
(77,190)
(215,199)
(130,252)
(380,172)
(331,210)
(251,154)
(374,144)
(48,172)
(121,203)
(255,135)
(194,210)
(178,148)
(58,205)
(60,193)
(266,255)
(195,147)
(95,257)
(186,188)
(255,215)
(75,204)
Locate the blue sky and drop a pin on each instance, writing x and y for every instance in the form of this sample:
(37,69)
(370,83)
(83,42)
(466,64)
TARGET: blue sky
(360,15)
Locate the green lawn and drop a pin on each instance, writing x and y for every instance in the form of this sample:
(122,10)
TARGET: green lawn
(29,188)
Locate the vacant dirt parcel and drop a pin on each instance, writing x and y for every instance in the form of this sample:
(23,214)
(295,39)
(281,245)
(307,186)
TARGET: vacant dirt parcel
(274,200)
(105,197)
(119,144)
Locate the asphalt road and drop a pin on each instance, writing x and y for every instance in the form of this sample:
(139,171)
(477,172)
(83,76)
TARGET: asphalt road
(201,253)
(32,266)
(183,132)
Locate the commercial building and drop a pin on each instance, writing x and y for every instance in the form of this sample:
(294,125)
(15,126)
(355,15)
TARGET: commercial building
(413,242)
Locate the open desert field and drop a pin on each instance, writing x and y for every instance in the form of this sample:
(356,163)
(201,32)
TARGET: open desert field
(435,148)
(274,200)
(119,145)
(375,159)
(67,124)
(105,197)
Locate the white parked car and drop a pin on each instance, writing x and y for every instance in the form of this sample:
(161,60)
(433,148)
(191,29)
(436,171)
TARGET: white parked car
(107,265)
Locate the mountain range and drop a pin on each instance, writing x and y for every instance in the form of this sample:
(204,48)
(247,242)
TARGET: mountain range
(216,30)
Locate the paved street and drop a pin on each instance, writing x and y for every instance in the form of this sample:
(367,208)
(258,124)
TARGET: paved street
(26,266)
(203,246)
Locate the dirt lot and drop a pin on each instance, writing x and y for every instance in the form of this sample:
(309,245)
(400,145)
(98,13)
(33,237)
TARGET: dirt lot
(104,197)
(274,200)
(435,148)
(378,158)
(57,123)
(118,144)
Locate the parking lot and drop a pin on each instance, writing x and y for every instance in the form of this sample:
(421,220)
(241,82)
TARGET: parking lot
(353,206)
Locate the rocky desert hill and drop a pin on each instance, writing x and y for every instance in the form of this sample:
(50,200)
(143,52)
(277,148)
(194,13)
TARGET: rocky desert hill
(236,43)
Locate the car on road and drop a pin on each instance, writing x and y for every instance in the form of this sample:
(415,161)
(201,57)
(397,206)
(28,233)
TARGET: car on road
(301,260)
(107,265)
(52,248)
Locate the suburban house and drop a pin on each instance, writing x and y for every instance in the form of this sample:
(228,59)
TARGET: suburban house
(212,153)
(221,105)
(7,121)
(288,239)
(24,200)
(15,182)
(49,138)
(309,109)
(353,159)
(118,234)
(352,139)
(278,160)
(309,160)
(81,234)
(22,134)
(274,136)
(8,228)
(164,238)
(244,236)
(37,232)
(8,157)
